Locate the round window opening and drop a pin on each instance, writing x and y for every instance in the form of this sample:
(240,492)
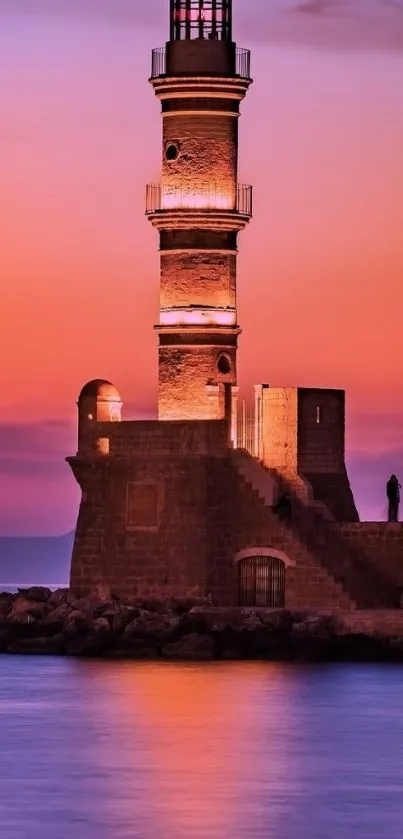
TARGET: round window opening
(224,365)
(171,152)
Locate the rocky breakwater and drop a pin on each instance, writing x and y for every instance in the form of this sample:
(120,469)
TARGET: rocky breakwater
(38,621)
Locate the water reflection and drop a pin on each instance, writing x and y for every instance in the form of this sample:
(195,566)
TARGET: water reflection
(202,729)
(220,751)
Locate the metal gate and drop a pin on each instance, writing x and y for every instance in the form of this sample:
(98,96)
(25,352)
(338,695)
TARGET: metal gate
(261,582)
(245,426)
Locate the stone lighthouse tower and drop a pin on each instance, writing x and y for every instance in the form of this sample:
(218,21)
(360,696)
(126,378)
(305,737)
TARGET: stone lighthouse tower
(200,78)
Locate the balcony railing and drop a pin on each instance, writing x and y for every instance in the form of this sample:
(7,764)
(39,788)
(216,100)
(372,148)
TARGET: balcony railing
(201,196)
(159,63)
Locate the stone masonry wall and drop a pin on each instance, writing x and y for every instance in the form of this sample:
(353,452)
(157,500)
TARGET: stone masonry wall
(200,278)
(206,514)
(380,543)
(207,160)
(153,438)
(185,374)
(278,416)
(320,430)
(192,513)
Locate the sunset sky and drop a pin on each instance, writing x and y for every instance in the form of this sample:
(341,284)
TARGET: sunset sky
(321,266)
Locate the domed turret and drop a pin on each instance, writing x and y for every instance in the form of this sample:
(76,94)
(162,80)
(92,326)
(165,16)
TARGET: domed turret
(99,401)
(100,390)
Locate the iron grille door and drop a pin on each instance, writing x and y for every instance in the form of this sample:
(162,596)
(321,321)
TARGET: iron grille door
(261,582)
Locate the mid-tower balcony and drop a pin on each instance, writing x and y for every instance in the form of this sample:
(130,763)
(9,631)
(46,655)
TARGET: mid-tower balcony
(201,63)
(209,203)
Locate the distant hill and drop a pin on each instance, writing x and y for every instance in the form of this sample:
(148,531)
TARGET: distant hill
(43,560)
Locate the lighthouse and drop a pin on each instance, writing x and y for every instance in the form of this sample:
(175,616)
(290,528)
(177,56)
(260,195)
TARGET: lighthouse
(198,208)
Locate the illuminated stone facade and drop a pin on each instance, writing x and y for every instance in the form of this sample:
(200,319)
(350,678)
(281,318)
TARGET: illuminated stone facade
(183,506)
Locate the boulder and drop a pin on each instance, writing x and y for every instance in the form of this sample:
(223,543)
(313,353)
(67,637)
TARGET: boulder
(92,642)
(197,621)
(58,597)
(190,647)
(35,594)
(6,604)
(33,609)
(59,614)
(119,620)
(81,604)
(322,624)
(37,646)
(152,625)
(78,621)
(136,648)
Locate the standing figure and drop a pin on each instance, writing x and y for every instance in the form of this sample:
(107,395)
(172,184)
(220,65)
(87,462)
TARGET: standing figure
(393,493)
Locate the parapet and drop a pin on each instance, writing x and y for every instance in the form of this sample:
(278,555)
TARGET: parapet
(156,439)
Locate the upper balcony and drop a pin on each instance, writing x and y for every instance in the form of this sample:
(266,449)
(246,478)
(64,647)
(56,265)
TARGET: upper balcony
(201,61)
(201,197)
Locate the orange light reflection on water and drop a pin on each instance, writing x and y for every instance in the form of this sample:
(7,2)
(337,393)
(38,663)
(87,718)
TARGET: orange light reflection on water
(200,745)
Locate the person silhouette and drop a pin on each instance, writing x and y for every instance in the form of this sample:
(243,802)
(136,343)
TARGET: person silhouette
(393,495)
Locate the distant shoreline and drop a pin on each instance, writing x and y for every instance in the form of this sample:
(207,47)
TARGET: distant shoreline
(12,588)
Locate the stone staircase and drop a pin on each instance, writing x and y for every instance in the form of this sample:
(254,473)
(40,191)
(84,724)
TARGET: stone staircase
(312,539)
(309,585)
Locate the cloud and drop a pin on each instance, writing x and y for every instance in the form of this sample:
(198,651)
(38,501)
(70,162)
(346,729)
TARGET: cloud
(122,12)
(340,24)
(35,448)
(38,493)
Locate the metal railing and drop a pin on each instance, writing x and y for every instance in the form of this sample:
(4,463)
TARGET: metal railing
(246,426)
(201,196)
(242,63)
(159,63)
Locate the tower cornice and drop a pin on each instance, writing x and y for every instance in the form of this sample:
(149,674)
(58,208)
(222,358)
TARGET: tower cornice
(202,87)
(185,219)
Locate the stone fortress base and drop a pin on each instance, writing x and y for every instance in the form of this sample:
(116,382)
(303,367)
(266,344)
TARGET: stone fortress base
(176,508)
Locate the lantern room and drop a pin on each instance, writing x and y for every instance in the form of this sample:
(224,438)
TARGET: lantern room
(201,19)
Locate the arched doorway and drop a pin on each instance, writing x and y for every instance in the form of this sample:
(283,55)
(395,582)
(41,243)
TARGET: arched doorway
(261,581)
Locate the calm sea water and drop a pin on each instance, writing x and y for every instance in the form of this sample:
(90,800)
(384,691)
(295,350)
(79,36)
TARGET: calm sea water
(111,750)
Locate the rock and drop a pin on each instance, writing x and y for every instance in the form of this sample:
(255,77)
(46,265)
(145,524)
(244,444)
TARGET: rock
(150,604)
(93,643)
(58,597)
(191,647)
(100,625)
(32,609)
(4,639)
(320,625)
(276,619)
(152,625)
(6,604)
(37,646)
(78,621)
(59,615)
(127,647)
(120,620)
(182,605)
(35,594)
(82,604)
(195,622)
